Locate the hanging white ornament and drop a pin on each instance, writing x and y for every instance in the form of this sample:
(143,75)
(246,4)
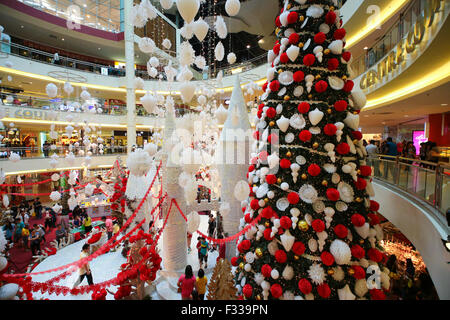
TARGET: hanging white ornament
(55,196)
(68,88)
(138,83)
(232,7)
(167,44)
(85,95)
(188,9)
(221,27)
(52,90)
(146,45)
(200,29)
(149,102)
(231,58)
(187,90)
(14,157)
(241,190)
(154,62)
(166,4)
(200,62)
(219,51)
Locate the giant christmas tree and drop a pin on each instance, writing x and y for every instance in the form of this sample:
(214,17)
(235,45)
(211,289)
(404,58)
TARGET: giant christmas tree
(319,231)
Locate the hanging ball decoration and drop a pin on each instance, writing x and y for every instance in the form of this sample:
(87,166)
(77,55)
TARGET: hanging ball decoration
(231,58)
(52,90)
(166,4)
(188,9)
(232,7)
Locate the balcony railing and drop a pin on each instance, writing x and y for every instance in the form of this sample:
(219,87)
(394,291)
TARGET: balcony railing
(424,180)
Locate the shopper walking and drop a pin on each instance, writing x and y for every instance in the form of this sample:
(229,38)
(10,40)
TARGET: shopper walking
(85,270)
(201,282)
(187,283)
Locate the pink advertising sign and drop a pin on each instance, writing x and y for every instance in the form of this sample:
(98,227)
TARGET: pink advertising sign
(418,138)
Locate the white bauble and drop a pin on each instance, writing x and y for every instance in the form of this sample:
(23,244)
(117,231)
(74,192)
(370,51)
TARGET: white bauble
(231,58)
(219,51)
(52,90)
(200,29)
(55,196)
(232,7)
(167,44)
(188,9)
(221,27)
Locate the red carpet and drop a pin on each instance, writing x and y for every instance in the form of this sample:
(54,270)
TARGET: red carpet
(19,257)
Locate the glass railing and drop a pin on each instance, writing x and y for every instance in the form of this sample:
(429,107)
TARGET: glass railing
(398,32)
(428,181)
(102,15)
(60,151)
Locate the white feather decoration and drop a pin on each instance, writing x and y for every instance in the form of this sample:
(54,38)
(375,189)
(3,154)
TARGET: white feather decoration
(52,90)
(340,251)
(316,274)
(5,200)
(187,54)
(187,31)
(167,44)
(221,27)
(139,163)
(146,45)
(14,157)
(188,9)
(55,196)
(200,62)
(151,149)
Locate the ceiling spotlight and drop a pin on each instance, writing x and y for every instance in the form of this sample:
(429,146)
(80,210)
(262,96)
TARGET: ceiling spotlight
(365,48)
(444,104)
(248,46)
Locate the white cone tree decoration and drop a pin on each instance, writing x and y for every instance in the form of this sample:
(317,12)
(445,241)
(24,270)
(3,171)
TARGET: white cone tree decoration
(188,9)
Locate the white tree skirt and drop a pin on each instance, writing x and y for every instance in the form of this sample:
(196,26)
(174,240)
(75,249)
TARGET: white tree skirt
(104,267)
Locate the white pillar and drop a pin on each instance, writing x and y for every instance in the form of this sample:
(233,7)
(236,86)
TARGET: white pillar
(234,158)
(129,69)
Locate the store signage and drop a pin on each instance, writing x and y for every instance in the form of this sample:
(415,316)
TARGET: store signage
(418,138)
(409,44)
(27,113)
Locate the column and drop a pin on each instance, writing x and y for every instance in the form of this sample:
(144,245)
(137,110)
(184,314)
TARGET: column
(129,69)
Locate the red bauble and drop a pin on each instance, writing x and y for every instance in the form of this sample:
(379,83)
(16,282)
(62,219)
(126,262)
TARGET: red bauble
(267,233)
(272,138)
(374,219)
(357,251)
(276,290)
(293,197)
(294,38)
(309,59)
(321,86)
(274,86)
(267,212)
(358,220)
(256,134)
(324,290)
(305,286)
(343,148)
(263,155)
(271,179)
(247,290)
(341,231)
(254,204)
(266,270)
(327,258)
(299,76)
(284,58)
(298,248)
(261,106)
(357,135)
(330,17)
(280,256)
(359,272)
(285,163)
(303,107)
(271,113)
(285,222)
(366,171)
(318,225)
(276,48)
(377,294)
(305,135)
(259,114)
(278,22)
(340,105)
(248,218)
(348,86)
(314,170)
(251,168)
(347,55)
(319,38)
(361,183)
(264,87)
(333,194)
(339,34)
(246,244)
(374,206)
(333,64)
(292,17)
(374,255)
(330,129)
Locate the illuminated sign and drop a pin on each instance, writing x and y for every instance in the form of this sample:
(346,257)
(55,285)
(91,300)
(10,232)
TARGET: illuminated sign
(418,138)
(409,44)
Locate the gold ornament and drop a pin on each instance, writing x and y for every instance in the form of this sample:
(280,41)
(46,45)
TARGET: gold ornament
(267,224)
(304,176)
(310,96)
(266,200)
(258,297)
(303,225)
(355,112)
(258,252)
(271,123)
(280,70)
(330,111)
(324,183)
(286,98)
(351,271)
(241,265)
(358,171)
(277,30)
(327,51)
(330,272)
(301,44)
(288,154)
(315,145)
(301,18)
(358,199)
(361,241)
(279,180)
(318,77)
(355,142)
(344,78)
(289,6)
(296,257)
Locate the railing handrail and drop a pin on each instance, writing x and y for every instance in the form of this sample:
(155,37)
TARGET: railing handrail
(391,158)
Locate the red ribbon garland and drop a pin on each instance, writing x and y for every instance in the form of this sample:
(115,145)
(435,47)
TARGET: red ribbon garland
(29,184)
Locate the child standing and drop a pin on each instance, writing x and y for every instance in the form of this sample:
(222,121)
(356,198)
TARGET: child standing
(202,280)
(25,236)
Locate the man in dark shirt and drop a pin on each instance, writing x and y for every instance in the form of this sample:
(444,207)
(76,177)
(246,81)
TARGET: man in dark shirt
(37,208)
(390,150)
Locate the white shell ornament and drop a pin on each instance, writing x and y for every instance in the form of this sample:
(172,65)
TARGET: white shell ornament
(336,83)
(315,116)
(293,53)
(286,78)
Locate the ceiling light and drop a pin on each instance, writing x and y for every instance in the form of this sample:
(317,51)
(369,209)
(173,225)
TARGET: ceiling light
(365,48)
(62,39)
(261,41)
(248,46)
(444,104)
